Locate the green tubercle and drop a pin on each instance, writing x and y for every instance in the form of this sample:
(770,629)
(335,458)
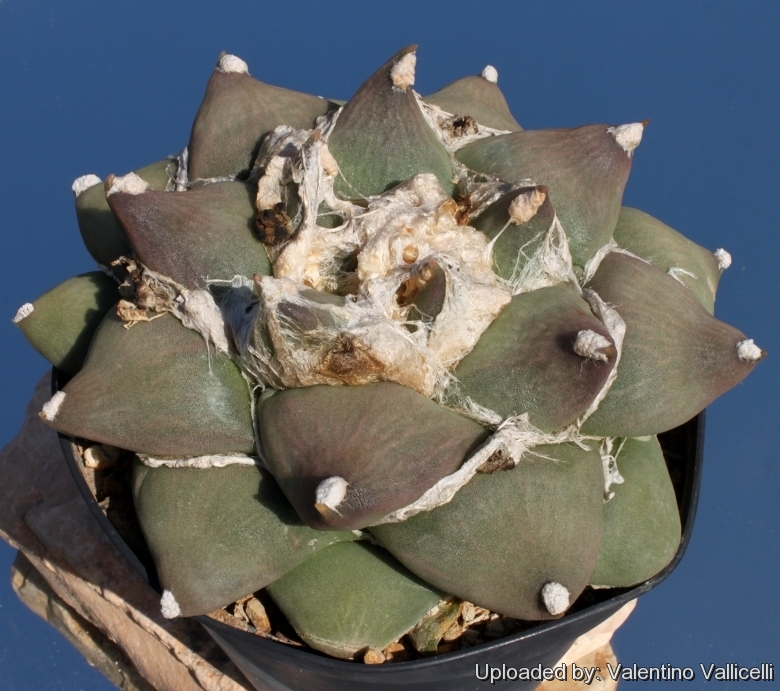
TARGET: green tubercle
(676,359)
(155,389)
(100,231)
(695,267)
(478,97)
(350,597)
(526,362)
(61,323)
(506,535)
(217,534)
(380,446)
(641,521)
(517,235)
(194,236)
(584,168)
(236,113)
(381,137)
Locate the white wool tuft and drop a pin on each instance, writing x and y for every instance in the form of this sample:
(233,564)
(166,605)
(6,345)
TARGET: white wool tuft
(589,344)
(181,178)
(168,606)
(617,331)
(592,266)
(215,461)
(550,265)
(232,64)
(402,72)
(330,493)
(749,351)
(198,311)
(594,262)
(628,136)
(677,272)
(490,73)
(612,475)
(51,408)
(513,438)
(24,311)
(555,598)
(83,183)
(415,222)
(269,187)
(329,164)
(724,259)
(524,206)
(129,184)
(470,408)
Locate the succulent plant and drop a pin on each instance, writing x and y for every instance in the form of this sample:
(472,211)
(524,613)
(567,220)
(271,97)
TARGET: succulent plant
(387,355)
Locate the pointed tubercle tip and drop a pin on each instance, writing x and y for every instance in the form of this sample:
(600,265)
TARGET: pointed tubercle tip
(129,184)
(23,312)
(83,183)
(555,598)
(402,73)
(232,64)
(747,351)
(168,606)
(491,74)
(593,346)
(330,493)
(628,136)
(724,259)
(52,407)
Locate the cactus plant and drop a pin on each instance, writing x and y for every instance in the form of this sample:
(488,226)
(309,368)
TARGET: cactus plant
(382,355)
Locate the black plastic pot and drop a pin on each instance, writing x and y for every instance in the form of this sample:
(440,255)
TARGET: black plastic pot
(271,666)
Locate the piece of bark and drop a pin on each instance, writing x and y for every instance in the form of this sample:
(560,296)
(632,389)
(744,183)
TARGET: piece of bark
(100,652)
(43,514)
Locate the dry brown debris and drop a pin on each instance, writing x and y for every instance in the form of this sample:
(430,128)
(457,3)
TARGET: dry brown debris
(101,456)
(373,656)
(451,626)
(249,614)
(142,292)
(224,617)
(500,460)
(257,615)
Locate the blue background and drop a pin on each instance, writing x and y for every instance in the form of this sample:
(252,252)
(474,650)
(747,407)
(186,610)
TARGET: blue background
(91,87)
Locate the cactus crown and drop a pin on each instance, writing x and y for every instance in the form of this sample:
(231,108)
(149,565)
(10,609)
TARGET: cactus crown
(403,318)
